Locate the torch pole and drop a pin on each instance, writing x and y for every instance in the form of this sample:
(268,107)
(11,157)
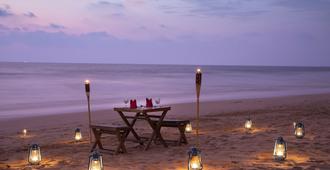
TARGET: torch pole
(89,118)
(198,90)
(197,130)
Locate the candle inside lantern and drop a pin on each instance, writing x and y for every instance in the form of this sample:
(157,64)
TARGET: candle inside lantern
(280,149)
(195,159)
(77,135)
(248,124)
(299,130)
(95,161)
(34,154)
(24,131)
(188,128)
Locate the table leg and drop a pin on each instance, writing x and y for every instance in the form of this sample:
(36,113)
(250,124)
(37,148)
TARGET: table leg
(130,126)
(156,130)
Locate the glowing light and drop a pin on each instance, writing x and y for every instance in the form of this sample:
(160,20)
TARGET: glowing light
(188,128)
(95,161)
(24,131)
(248,124)
(77,135)
(280,149)
(34,154)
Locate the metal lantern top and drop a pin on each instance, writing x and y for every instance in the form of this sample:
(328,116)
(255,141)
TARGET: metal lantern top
(77,130)
(299,125)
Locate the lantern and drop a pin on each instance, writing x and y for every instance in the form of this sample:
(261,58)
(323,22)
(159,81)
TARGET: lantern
(188,128)
(24,131)
(248,124)
(299,130)
(95,161)
(34,157)
(280,149)
(77,135)
(195,159)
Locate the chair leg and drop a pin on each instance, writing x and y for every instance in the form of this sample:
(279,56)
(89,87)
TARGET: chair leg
(121,139)
(183,138)
(97,135)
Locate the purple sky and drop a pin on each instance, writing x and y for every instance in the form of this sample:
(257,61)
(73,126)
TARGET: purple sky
(220,32)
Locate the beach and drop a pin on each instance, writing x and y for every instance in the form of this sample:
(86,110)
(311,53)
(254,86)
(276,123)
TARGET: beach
(225,144)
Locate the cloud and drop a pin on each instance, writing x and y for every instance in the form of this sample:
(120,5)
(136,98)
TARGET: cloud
(101,47)
(108,4)
(235,8)
(30,15)
(5,11)
(56,26)
(304,4)
(107,8)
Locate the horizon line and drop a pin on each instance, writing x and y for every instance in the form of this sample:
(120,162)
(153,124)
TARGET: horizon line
(232,65)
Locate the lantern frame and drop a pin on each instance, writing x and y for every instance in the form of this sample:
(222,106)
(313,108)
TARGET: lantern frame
(282,154)
(95,156)
(77,135)
(34,151)
(299,127)
(195,153)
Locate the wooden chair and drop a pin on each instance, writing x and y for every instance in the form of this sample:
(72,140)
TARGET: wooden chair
(119,131)
(180,125)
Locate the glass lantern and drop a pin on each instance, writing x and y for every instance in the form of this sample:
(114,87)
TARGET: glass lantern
(195,159)
(188,128)
(77,135)
(95,161)
(248,124)
(280,149)
(24,131)
(299,130)
(34,157)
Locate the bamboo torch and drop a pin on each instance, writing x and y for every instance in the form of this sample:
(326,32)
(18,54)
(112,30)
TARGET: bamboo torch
(195,154)
(198,91)
(87,89)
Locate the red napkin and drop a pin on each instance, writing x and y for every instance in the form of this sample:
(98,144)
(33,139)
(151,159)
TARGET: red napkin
(149,102)
(133,104)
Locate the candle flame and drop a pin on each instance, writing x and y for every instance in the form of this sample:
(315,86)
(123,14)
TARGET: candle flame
(87,81)
(199,70)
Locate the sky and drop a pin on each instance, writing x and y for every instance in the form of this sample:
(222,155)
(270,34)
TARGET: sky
(198,32)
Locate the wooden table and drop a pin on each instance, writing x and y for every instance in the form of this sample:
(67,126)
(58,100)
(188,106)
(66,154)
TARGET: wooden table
(146,113)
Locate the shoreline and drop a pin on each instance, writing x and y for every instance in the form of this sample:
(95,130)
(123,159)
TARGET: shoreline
(178,109)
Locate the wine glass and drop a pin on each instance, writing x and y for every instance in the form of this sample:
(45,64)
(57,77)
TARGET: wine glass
(126,102)
(157,101)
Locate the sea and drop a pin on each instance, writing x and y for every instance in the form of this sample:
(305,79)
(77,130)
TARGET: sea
(32,89)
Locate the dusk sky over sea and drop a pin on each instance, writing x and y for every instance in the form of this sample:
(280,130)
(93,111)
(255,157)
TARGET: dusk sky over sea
(223,32)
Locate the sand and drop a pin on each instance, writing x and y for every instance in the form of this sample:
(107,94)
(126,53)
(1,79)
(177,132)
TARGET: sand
(225,144)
